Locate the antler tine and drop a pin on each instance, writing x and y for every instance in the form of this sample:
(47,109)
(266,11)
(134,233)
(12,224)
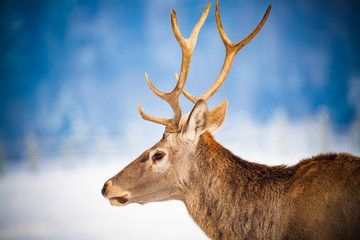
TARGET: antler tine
(187,47)
(231,50)
(170,123)
(163,121)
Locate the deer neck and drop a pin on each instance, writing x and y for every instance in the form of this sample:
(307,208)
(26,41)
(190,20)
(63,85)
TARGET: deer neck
(223,193)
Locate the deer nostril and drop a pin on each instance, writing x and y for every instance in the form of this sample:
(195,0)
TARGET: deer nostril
(103,190)
(108,184)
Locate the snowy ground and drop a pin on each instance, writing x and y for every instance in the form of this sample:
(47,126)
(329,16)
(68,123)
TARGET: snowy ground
(58,203)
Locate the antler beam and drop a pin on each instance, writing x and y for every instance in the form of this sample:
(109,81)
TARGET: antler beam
(187,46)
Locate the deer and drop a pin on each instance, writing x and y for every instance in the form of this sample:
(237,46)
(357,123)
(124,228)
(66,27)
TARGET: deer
(227,196)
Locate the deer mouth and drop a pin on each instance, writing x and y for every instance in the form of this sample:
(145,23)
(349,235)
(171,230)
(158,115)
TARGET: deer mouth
(119,201)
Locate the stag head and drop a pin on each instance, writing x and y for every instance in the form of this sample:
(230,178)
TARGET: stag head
(161,172)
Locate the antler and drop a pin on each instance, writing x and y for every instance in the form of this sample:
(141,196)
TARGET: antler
(187,46)
(231,50)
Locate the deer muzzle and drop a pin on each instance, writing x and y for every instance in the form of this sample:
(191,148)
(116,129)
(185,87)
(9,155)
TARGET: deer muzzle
(115,196)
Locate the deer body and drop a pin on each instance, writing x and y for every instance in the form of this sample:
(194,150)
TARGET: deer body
(228,197)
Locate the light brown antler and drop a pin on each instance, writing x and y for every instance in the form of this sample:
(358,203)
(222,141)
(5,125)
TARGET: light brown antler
(187,46)
(231,50)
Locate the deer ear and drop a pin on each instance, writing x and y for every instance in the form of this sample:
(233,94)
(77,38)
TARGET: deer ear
(217,116)
(198,121)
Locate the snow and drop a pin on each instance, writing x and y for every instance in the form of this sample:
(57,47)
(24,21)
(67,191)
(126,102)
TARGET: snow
(58,203)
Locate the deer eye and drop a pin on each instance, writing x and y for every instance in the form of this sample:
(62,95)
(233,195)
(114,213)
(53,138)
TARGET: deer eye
(158,156)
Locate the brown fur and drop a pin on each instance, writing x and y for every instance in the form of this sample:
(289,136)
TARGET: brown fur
(230,198)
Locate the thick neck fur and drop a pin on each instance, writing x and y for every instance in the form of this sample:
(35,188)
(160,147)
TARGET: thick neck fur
(230,198)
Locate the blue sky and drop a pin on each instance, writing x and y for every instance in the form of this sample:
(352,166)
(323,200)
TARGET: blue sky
(70,64)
